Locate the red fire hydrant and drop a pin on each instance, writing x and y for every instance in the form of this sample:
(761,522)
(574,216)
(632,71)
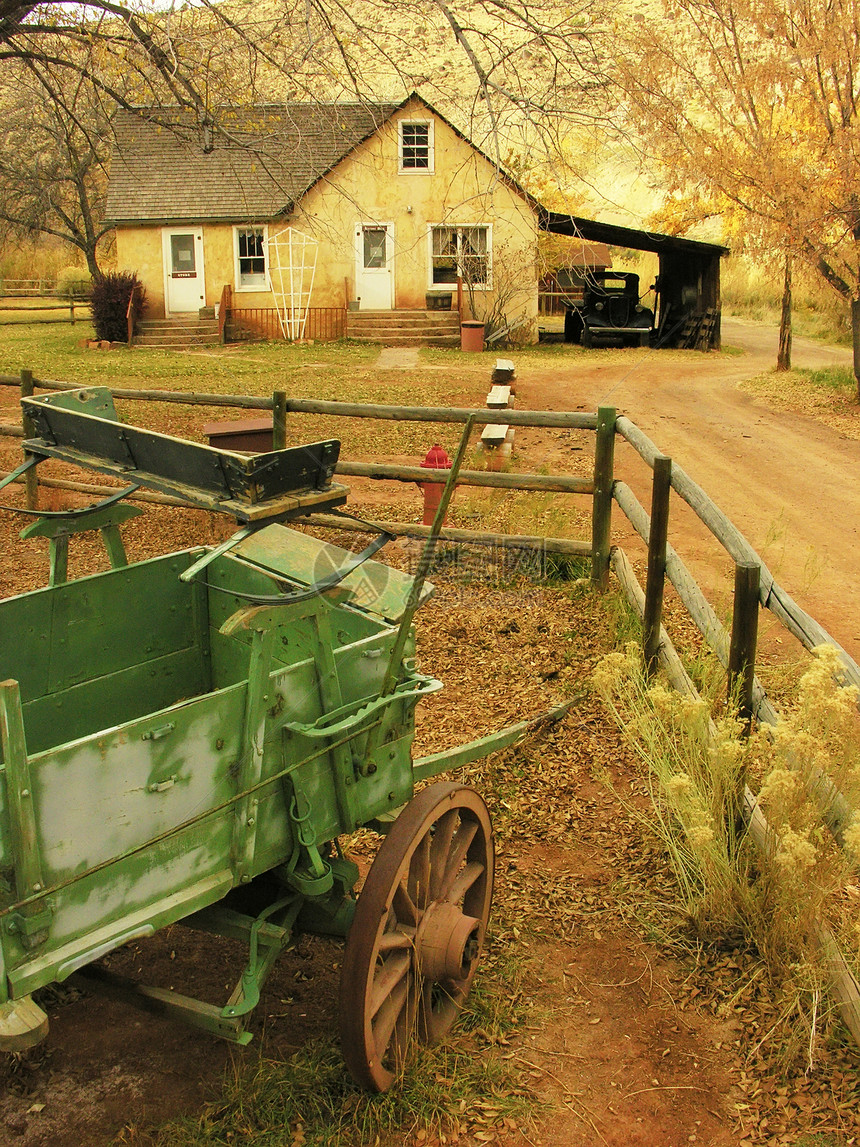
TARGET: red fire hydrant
(436,459)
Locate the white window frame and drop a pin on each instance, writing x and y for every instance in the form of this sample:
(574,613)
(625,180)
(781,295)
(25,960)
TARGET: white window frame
(405,169)
(460,228)
(237,271)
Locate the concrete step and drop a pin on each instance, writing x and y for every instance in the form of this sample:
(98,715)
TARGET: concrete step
(402,339)
(171,341)
(153,326)
(407,320)
(177,333)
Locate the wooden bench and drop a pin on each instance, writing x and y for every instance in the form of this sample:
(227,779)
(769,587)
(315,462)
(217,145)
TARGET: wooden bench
(504,371)
(499,397)
(494,435)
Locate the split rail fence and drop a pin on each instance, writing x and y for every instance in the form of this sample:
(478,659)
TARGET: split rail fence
(12,313)
(755,586)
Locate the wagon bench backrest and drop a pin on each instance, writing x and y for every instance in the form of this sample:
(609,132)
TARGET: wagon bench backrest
(82,427)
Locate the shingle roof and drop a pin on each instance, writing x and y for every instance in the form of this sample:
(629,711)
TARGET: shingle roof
(261,161)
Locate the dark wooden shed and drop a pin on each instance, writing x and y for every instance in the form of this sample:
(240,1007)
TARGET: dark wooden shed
(688,283)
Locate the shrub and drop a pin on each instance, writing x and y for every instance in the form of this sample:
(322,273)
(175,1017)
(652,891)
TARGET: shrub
(110,297)
(74,283)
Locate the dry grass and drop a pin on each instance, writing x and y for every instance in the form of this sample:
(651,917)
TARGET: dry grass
(828,396)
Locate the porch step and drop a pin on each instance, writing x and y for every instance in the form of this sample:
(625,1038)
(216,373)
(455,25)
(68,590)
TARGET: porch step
(407,340)
(177,333)
(405,328)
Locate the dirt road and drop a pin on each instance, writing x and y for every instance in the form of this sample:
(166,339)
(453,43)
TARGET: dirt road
(788,482)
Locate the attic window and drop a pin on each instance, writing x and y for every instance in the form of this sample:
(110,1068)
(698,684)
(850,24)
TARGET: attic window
(250,255)
(416,146)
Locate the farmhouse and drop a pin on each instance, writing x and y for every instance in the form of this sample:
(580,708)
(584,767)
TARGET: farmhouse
(377,220)
(373,207)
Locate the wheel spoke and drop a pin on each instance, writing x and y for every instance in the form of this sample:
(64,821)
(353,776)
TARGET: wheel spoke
(386,1019)
(464,880)
(419,872)
(404,907)
(387,977)
(459,849)
(442,836)
(403,938)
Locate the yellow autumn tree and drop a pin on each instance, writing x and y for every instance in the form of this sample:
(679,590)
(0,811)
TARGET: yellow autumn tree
(754,104)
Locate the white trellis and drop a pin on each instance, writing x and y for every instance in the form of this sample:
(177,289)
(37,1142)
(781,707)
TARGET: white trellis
(292,262)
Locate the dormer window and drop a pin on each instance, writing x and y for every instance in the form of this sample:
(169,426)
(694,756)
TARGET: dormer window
(416,146)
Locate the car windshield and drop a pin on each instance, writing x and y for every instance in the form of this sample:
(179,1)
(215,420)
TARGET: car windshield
(608,285)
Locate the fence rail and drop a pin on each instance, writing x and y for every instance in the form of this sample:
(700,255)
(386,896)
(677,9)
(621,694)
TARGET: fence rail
(25,315)
(21,288)
(42,288)
(735,648)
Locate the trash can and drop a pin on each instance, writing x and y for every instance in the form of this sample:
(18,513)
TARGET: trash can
(472,336)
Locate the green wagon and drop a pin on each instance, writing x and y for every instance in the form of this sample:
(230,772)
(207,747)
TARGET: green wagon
(188,738)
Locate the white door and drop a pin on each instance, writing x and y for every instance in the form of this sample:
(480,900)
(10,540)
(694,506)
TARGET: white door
(184,288)
(374,266)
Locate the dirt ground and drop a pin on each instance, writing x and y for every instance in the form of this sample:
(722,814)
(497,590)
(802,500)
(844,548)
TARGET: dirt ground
(625,1043)
(787,480)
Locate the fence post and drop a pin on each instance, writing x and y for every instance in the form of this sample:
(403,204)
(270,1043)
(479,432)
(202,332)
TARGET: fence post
(655,580)
(601,514)
(31,480)
(279,420)
(742,648)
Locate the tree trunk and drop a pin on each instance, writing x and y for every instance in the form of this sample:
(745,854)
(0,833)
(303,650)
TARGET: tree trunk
(783,358)
(92,263)
(855,339)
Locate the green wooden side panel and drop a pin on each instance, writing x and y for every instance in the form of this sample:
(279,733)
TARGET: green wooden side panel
(55,638)
(94,400)
(297,640)
(115,801)
(115,699)
(135,782)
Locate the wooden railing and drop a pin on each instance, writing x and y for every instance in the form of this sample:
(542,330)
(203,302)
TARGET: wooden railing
(130,314)
(323,324)
(223,310)
(553,302)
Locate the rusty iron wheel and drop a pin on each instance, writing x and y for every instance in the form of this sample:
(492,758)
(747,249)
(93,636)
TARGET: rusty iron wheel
(417,933)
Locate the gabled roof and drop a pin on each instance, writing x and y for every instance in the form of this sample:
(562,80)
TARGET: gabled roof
(255,165)
(261,160)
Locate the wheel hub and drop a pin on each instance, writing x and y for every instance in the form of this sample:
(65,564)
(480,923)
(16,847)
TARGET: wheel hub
(448,942)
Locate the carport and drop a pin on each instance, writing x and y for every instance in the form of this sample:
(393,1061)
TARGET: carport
(688,281)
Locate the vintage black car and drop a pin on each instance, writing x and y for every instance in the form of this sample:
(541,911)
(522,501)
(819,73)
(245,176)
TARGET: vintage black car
(610,313)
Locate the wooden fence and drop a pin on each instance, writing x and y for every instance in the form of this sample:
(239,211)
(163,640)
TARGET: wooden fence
(553,302)
(35,313)
(24,288)
(755,586)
